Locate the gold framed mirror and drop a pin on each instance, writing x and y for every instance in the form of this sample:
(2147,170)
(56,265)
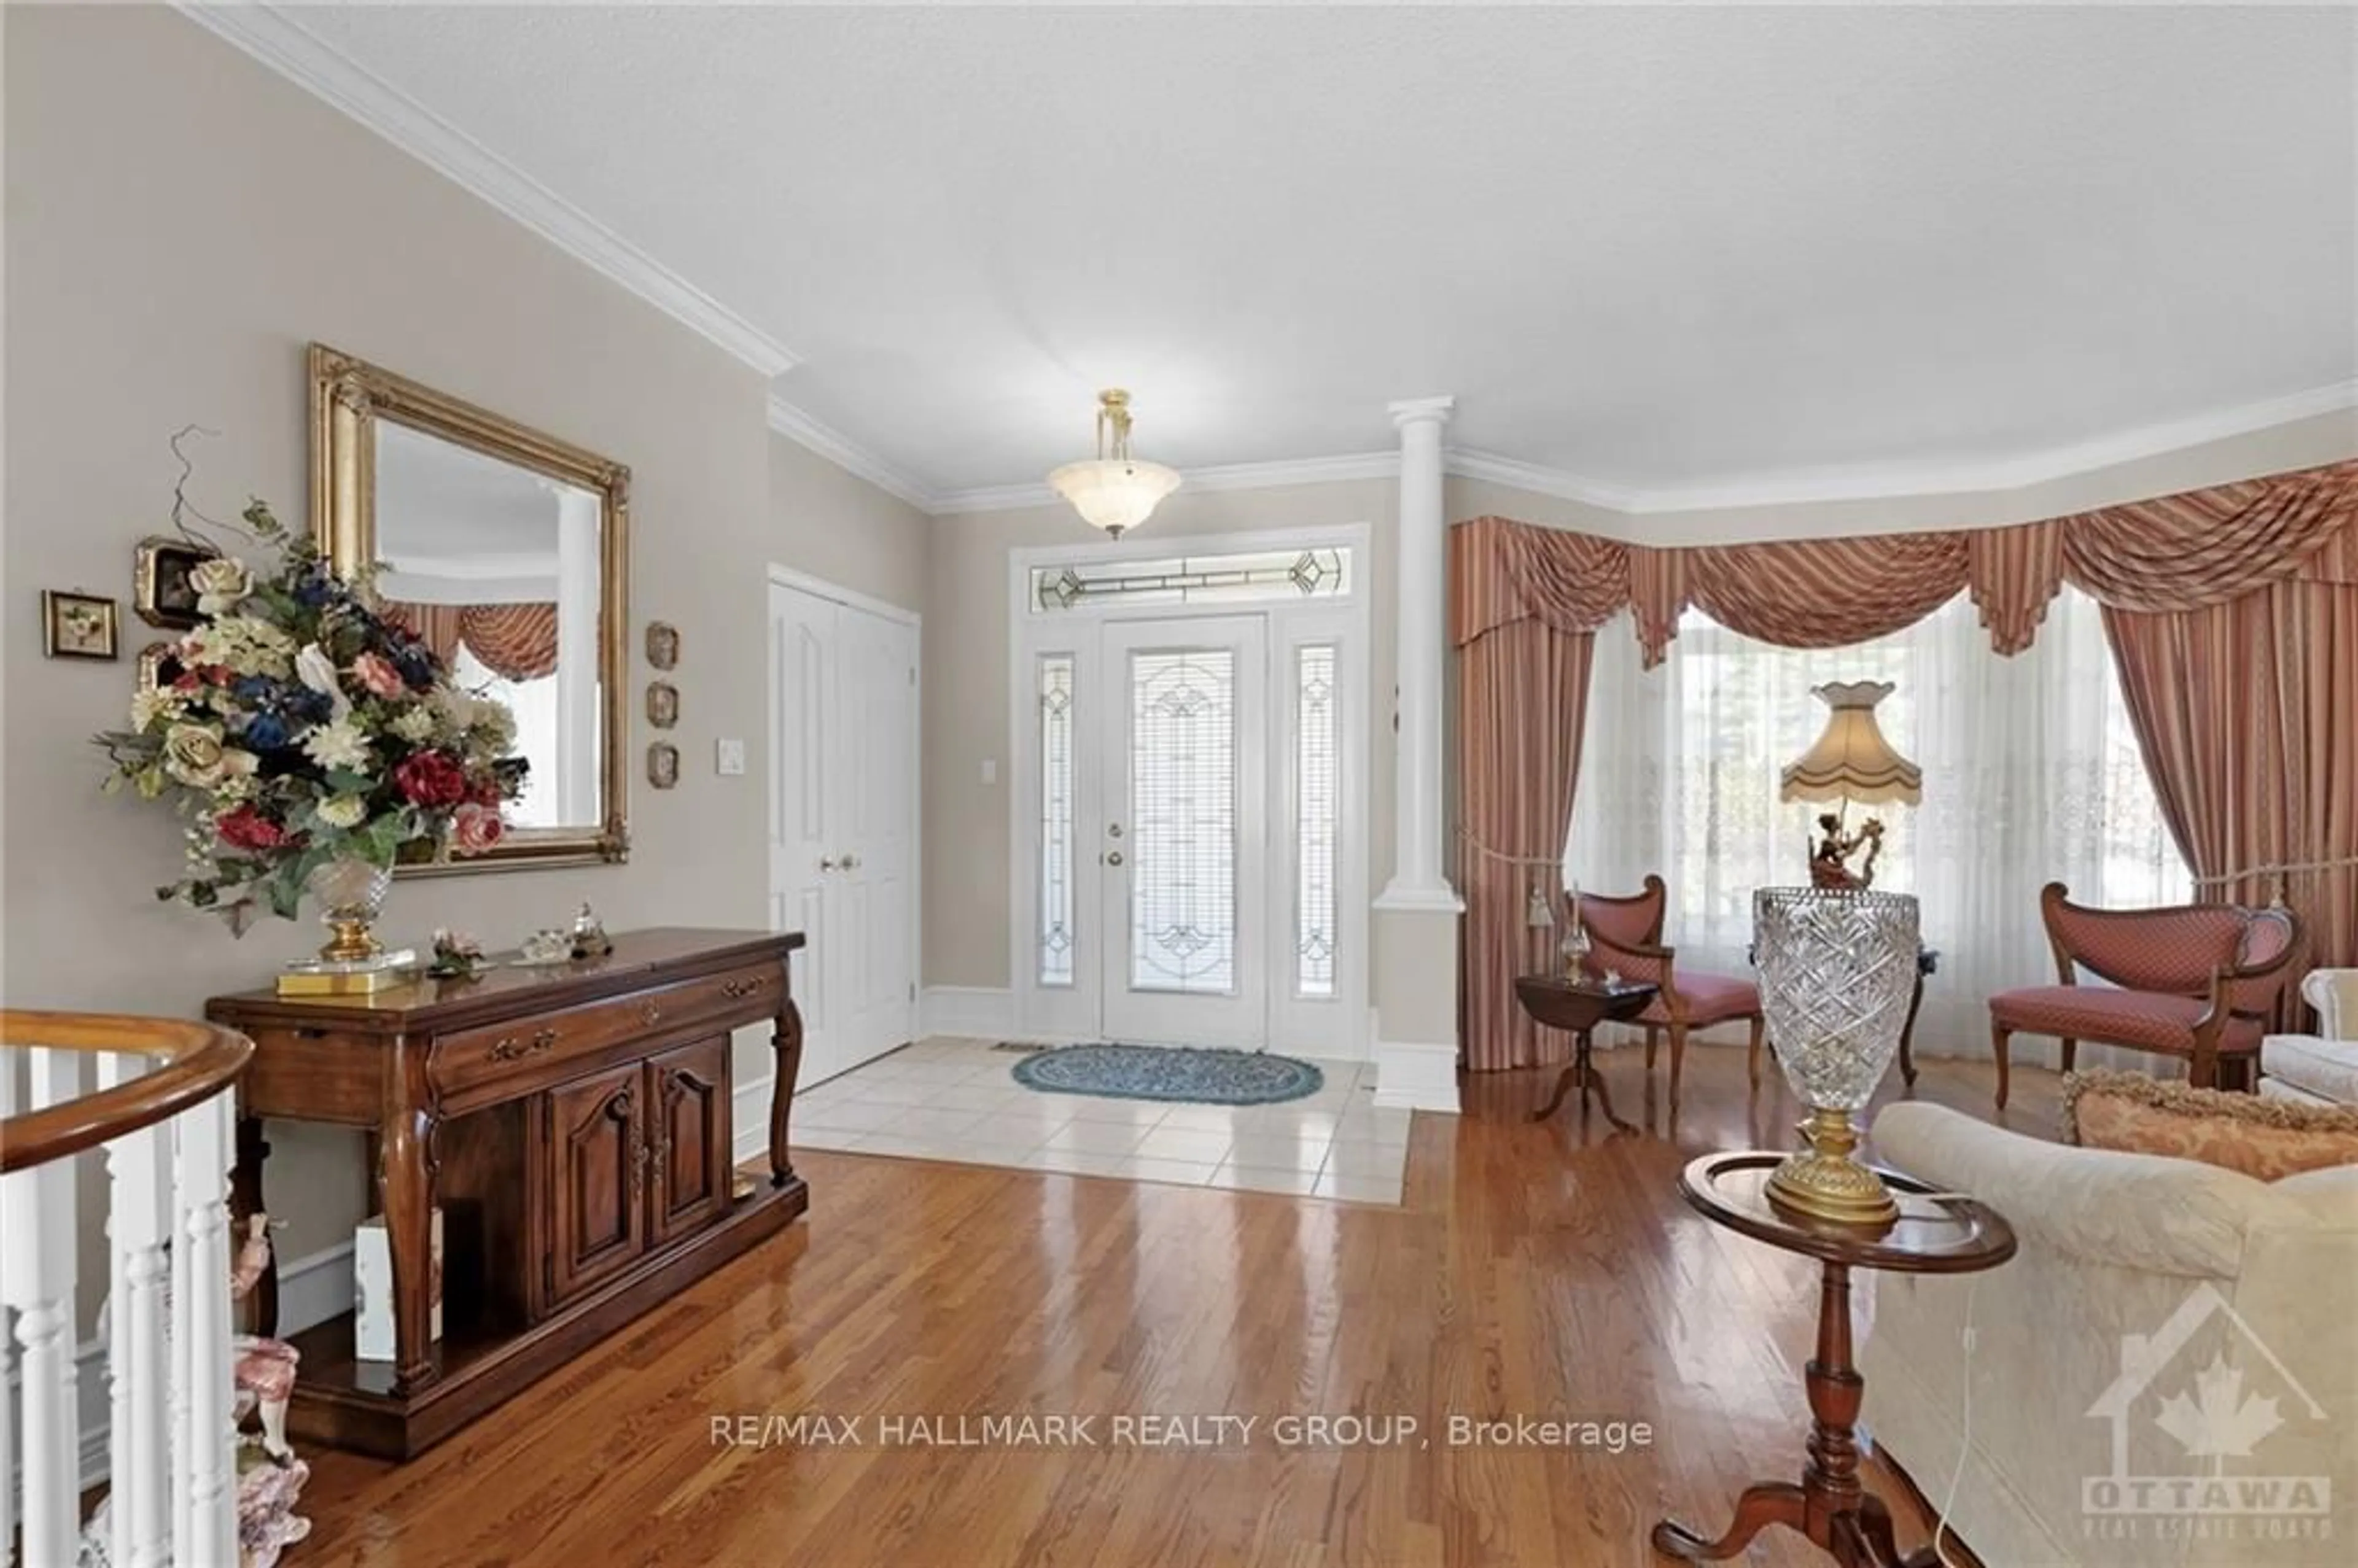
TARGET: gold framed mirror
(509,551)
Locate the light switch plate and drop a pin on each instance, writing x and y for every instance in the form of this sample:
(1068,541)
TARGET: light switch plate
(728,756)
(990,770)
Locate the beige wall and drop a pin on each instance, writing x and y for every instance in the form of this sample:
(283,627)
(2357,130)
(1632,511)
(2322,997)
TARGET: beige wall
(836,527)
(180,222)
(966,720)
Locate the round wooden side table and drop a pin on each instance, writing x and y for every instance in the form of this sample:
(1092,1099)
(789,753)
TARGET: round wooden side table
(1935,1234)
(1558,1002)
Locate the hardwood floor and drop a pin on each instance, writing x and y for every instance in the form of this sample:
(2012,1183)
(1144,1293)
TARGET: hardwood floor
(1537,1270)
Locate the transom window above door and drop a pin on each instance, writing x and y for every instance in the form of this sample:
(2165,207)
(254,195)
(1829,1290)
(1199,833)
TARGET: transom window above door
(1287,576)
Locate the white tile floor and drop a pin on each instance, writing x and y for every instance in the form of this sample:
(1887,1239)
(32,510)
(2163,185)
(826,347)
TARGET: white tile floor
(958,1101)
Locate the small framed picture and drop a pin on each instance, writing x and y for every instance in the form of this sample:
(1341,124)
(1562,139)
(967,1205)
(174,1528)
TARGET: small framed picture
(663,645)
(663,704)
(662,764)
(159,665)
(77,625)
(160,589)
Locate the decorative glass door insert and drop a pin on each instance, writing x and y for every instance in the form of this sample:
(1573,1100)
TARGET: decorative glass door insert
(1183,835)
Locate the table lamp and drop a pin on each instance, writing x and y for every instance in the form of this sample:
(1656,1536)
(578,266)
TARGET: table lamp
(1850,760)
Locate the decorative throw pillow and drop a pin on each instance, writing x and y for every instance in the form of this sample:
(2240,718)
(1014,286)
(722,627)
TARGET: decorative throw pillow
(2263,1138)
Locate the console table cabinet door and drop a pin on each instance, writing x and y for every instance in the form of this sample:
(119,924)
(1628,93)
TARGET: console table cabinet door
(597,1144)
(688,1089)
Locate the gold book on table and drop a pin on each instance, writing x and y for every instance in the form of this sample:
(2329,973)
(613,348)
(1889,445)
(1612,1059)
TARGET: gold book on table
(318,979)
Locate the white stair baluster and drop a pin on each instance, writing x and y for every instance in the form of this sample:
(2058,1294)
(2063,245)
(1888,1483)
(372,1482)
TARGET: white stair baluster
(139,1216)
(204,1467)
(12,1101)
(37,1279)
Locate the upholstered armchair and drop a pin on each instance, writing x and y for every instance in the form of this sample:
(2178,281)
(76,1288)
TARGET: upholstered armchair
(2193,980)
(1625,936)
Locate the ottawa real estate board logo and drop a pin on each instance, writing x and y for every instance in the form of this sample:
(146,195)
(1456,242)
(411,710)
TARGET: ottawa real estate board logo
(2193,1411)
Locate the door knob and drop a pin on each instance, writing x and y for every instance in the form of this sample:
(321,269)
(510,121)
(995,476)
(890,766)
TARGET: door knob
(826,863)
(1114,830)
(1113,858)
(849,861)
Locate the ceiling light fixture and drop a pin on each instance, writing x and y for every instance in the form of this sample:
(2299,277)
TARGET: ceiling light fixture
(1114,491)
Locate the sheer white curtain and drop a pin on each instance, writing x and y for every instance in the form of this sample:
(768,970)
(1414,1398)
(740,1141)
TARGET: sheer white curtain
(2031,774)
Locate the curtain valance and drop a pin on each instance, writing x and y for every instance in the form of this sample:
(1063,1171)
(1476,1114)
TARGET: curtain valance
(2169,554)
(514,641)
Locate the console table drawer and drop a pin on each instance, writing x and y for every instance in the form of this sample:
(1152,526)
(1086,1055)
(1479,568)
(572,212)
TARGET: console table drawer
(471,1057)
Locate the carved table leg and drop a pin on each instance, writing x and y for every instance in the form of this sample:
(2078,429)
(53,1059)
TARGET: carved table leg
(405,1185)
(1771,1502)
(1569,1077)
(1590,1079)
(787,1044)
(1829,1506)
(245,1197)
(1830,1477)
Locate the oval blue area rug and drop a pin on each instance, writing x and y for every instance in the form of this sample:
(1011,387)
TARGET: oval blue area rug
(1202,1076)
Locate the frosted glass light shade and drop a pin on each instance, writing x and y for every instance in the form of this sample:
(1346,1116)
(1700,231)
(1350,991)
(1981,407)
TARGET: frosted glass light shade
(1851,760)
(1114,493)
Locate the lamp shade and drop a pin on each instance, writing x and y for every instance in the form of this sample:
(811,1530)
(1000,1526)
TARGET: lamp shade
(1851,760)
(1114,493)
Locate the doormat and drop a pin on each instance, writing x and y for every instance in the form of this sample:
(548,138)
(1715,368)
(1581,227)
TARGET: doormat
(1195,1074)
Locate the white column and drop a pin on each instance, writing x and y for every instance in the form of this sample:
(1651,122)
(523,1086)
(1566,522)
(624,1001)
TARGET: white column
(1420,657)
(578,608)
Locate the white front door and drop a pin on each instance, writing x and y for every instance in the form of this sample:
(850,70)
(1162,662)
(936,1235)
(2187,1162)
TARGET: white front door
(842,821)
(1183,836)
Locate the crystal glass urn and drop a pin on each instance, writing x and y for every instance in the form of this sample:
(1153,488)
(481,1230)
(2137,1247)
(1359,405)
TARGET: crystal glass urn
(350,892)
(1837,969)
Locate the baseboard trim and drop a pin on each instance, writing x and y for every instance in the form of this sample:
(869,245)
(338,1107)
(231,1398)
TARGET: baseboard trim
(1412,1076)
(975,1013)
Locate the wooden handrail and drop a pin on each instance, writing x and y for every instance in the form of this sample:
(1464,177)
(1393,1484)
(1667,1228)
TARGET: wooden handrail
(199,1061)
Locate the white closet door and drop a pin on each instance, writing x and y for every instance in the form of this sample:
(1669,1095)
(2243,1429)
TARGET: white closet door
(802,800)
(843,822)
(873,882)
(1183,841)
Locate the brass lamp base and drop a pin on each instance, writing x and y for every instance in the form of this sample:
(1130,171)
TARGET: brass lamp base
(355,943)
(1823,1181)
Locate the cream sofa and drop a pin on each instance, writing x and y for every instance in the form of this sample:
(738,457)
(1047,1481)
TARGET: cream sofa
(2319,1068)
(2134,1270)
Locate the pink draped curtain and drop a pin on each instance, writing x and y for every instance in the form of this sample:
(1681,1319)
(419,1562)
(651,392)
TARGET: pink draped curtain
(2247,714)
(514,641)
(2232,612)
(1523,686)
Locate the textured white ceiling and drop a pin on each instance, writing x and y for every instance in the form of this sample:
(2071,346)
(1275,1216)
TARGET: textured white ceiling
(1655,247)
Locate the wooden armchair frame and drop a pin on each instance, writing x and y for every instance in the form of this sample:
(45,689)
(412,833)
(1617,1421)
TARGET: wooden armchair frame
(2202,1059)
(1658,964)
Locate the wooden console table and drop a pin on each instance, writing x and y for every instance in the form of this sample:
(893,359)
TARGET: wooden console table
(573,1125)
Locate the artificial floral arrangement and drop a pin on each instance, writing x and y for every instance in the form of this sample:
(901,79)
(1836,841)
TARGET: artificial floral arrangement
(458,956)
(309,739)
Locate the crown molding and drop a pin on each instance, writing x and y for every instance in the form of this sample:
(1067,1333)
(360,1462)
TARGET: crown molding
(1465,462)
(1788,488)
(276,40)
(1899,482)
(848,454)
